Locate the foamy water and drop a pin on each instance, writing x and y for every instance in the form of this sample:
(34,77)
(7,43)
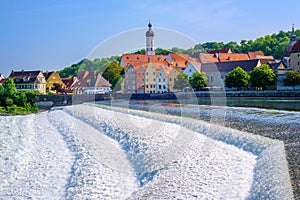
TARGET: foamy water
(85,152)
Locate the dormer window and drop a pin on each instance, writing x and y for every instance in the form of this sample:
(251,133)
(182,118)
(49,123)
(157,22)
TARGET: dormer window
(25,79)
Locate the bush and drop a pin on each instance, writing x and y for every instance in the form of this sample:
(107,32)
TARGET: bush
(17,103)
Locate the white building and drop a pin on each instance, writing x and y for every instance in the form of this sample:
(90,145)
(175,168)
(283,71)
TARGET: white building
(192,68)
(162,80)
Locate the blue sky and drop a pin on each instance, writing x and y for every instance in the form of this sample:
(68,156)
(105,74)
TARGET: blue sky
(53,34)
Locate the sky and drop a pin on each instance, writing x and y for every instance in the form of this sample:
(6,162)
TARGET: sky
(53,34)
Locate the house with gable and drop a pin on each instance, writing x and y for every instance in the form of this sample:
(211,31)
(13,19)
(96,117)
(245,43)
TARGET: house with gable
(129,81)
(162,79)
(91,83)
(52,79)
(69,83)
(140,78)
(192,68)
(172,76)
(150,77)
(29,80)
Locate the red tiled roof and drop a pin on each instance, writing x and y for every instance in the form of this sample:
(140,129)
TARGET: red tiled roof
(207,58)
(68,81)
(265,57)
(21,75)
(226,57)
(253,55)
(90,79)
(141,58)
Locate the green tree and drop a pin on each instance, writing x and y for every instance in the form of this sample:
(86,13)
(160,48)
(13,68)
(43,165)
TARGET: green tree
(160,51)
(10,89)
(1,95)
(237,78)
(262,76)
(198,80)
(113,72)
(292,78)
(181,82)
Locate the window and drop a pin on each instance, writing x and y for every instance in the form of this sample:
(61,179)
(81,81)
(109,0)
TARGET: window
(143,79)
(164,80)
(146,73)
(190,70)
(53,77)
(159,87)
(170,79)
(143,74)
(153,73)
(158,80)
(298,54)
(212,79)
(146,80)
(154,79)
(298,63)
(139,73)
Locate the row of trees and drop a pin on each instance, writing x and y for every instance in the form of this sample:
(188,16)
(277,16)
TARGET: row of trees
(261,77)
(15,102)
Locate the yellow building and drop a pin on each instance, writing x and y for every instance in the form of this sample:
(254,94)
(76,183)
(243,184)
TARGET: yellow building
(172,76)
(53,78)
(150,77)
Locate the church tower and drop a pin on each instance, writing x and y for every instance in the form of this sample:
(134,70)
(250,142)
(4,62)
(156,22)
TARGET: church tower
(150,41)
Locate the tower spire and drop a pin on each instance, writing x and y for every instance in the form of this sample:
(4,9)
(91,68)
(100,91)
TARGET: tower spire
(293,35)
(150,40)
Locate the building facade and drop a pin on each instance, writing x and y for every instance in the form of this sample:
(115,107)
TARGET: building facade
(130,80)
(29,80)
(53,78)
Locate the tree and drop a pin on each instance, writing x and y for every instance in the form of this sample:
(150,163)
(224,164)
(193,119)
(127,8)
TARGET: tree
(181,82)
(113,72)
(198,80)
(292,78)
(262,76)
(237,78)
(10,88)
